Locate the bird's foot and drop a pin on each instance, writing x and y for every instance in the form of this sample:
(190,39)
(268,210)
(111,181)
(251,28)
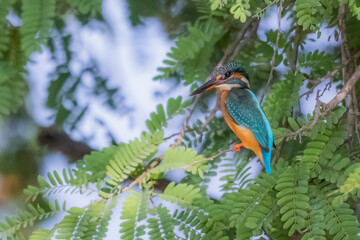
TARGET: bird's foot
(237,147)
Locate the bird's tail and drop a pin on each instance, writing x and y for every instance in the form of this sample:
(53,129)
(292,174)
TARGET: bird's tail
(266,158)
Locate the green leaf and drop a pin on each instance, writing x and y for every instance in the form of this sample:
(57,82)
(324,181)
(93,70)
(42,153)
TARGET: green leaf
(293,124)
(181,158)
(134,210)
(38,19)
(182,194)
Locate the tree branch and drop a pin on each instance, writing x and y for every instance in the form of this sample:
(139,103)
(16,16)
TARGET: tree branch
(176,134)
(356,114)
(178,141)
(293,64)
(233,50)
(295,52)
(344,91)
(251,35)
(274,55)
(56,140)
(347,70)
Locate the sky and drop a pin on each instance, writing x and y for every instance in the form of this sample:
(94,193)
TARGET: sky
(125,58)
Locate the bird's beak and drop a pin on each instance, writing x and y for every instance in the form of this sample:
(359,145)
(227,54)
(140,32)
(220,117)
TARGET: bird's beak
(208,85)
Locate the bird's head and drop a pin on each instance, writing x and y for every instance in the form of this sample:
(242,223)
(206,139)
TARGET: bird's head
(226,77)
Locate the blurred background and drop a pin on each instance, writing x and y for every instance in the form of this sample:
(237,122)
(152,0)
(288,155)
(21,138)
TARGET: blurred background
(93,87)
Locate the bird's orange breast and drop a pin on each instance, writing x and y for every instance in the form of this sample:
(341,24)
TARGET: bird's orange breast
(245,135)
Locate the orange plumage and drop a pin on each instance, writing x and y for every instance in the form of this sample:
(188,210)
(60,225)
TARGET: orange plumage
(245,135)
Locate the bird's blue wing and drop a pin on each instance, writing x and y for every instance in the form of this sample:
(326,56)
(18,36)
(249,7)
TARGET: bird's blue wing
(244,108)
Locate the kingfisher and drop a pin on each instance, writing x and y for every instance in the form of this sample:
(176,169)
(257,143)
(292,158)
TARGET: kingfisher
(242,111)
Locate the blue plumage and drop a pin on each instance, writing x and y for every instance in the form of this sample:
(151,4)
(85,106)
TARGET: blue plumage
(245,110)
(266,155)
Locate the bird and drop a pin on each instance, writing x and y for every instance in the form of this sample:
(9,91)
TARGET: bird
(242,111)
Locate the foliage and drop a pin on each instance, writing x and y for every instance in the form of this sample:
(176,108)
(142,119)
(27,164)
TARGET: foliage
(306,11)
(38,17)
(10,228)
(276,109)
(352,183)
(313,191)
(192,54)
(85,7)
(181,158)
(4,37)
(240,8)
(182,194)
(339,219)
(12,85)
(158,119)
(163,226)
(134,210)
(354,7)
(17,44)
(129,156)
(56,184)
(293,187)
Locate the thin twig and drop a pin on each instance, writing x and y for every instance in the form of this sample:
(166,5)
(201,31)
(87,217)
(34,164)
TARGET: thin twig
(93,202)
(318,81)
(344,91)
(210,117)
(252,34)
(322,109)
(309,126)
(232,49)
(184,126)
(202,127)
(152,202)
(140,178)
(175,134)
(355,114)
(208,159)
(274,55)
(330,75)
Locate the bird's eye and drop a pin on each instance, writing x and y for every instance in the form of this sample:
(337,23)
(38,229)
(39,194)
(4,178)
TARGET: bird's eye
(227,74)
